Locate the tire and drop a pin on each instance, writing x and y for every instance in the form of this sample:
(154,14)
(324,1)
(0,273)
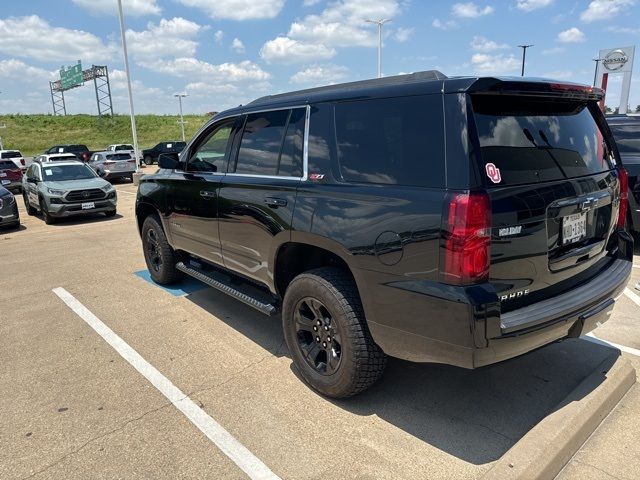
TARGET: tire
(48,219)
(148,160)
(161,259)
(110,213)
(330,294)
(31,211)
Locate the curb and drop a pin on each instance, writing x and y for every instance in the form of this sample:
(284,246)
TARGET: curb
(548,446)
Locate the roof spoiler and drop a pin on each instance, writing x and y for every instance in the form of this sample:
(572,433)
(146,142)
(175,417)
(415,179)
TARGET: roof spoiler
(539,88)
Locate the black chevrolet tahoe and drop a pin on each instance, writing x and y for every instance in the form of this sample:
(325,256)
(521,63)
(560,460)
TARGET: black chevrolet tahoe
(456,220)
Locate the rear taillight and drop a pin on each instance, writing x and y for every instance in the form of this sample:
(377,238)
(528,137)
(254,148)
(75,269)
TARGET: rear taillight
(466,238)
(623,179)
(22,161)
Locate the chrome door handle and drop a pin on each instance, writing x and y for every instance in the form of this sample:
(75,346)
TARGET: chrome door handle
(207,194)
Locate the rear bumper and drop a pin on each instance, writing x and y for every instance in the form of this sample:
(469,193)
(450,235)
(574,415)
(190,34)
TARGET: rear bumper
(108,175)
(12,185)
(426,322)
(9,215)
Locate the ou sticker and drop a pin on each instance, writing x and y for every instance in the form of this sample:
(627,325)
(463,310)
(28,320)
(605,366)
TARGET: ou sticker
(493,173)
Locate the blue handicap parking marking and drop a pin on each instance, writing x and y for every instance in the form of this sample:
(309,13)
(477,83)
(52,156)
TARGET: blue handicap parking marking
(185,287)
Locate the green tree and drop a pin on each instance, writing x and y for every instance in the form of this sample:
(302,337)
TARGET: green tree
(607,109)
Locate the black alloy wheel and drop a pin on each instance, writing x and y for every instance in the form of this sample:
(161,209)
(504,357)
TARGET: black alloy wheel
(160,258)
(318,337)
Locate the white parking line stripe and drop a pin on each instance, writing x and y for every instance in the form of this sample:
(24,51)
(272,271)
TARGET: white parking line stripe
(633,296)
(592,338)
(233,449)
(125,191)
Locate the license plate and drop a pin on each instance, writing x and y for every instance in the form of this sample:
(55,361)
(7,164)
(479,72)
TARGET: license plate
(574,227)
(88,205)
(6,182)
(2,174)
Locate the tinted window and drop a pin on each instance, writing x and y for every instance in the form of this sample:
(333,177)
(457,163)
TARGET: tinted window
(290,164)
(261,142)
(7,165)
(392,141)
(209,155)
(124,147)
(11,155)
(119,156)
(538,140)
(627,137)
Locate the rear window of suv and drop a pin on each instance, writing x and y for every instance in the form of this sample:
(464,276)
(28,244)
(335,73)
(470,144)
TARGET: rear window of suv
(10,155)
(536,140)
(7,165)
(397,141)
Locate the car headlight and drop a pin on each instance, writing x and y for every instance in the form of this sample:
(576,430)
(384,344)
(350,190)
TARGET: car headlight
(54,191)
(108,187)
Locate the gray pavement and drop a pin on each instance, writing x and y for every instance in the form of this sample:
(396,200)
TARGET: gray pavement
(72,408)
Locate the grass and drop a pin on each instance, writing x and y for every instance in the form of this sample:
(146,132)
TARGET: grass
(33,134)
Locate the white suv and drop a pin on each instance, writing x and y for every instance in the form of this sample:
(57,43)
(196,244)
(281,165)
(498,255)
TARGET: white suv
(16,157)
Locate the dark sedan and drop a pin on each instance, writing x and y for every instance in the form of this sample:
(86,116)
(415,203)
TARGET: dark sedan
(9,216)
(626,130)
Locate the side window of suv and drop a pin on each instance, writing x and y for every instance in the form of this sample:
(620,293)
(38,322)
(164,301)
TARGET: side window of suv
(209,155)
(391,141)
(261,143)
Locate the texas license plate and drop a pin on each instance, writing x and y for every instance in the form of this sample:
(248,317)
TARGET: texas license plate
(6,182)
(574,228)
(88,205)
(2,174)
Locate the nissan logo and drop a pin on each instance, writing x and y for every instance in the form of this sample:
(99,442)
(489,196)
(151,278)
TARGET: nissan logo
(615,60)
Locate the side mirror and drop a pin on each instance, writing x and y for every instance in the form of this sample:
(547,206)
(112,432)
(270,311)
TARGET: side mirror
(169,161)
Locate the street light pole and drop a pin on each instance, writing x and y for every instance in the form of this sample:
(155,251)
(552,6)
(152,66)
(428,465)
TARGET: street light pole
(524,54)
(379,23)
(134,133)
(181,122)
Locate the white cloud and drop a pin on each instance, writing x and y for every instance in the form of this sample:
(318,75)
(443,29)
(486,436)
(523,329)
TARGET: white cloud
(530,5)
(17,69)
(118,83)
(572,35)
(288,51)
(470,10)
(237,45)
(129,7)
(310,3)
(482,44)
(626,30)
(446,25)
(486,64)
(604,9)
(237,9)
(168,38)
(559,74)
(403,34)
(199,70)
(342,23)
(320,75)
(33,37)
(218,37)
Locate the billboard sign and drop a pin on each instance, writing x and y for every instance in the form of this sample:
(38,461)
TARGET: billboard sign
(612,61)
(71,76)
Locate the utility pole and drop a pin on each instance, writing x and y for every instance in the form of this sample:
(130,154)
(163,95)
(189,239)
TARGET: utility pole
(380,22)
(524,54)
(181,121)
(595,74)
(126,67)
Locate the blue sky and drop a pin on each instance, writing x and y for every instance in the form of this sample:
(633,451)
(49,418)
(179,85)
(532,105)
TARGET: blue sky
(227,52)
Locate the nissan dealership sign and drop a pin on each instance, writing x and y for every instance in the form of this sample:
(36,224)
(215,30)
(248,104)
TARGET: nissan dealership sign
(613,61)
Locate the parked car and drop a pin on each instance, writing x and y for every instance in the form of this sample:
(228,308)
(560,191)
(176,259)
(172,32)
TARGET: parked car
(111,165)
(9,215)
(55,157)
(15,156)
(10,175)
(125,147)
(65,189)
(150,155)
(455,220)
(81,151)
(626,130)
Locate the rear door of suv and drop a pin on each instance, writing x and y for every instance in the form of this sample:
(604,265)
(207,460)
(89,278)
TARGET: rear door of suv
(257,195)
(550,171)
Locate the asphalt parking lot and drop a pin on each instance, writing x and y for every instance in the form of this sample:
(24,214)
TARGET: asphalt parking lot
(73,407)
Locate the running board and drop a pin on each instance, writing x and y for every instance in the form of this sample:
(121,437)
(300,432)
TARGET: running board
(226,287)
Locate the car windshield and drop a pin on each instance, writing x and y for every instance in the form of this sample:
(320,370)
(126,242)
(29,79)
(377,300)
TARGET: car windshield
(58,173)
(124,147)
(10,155)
